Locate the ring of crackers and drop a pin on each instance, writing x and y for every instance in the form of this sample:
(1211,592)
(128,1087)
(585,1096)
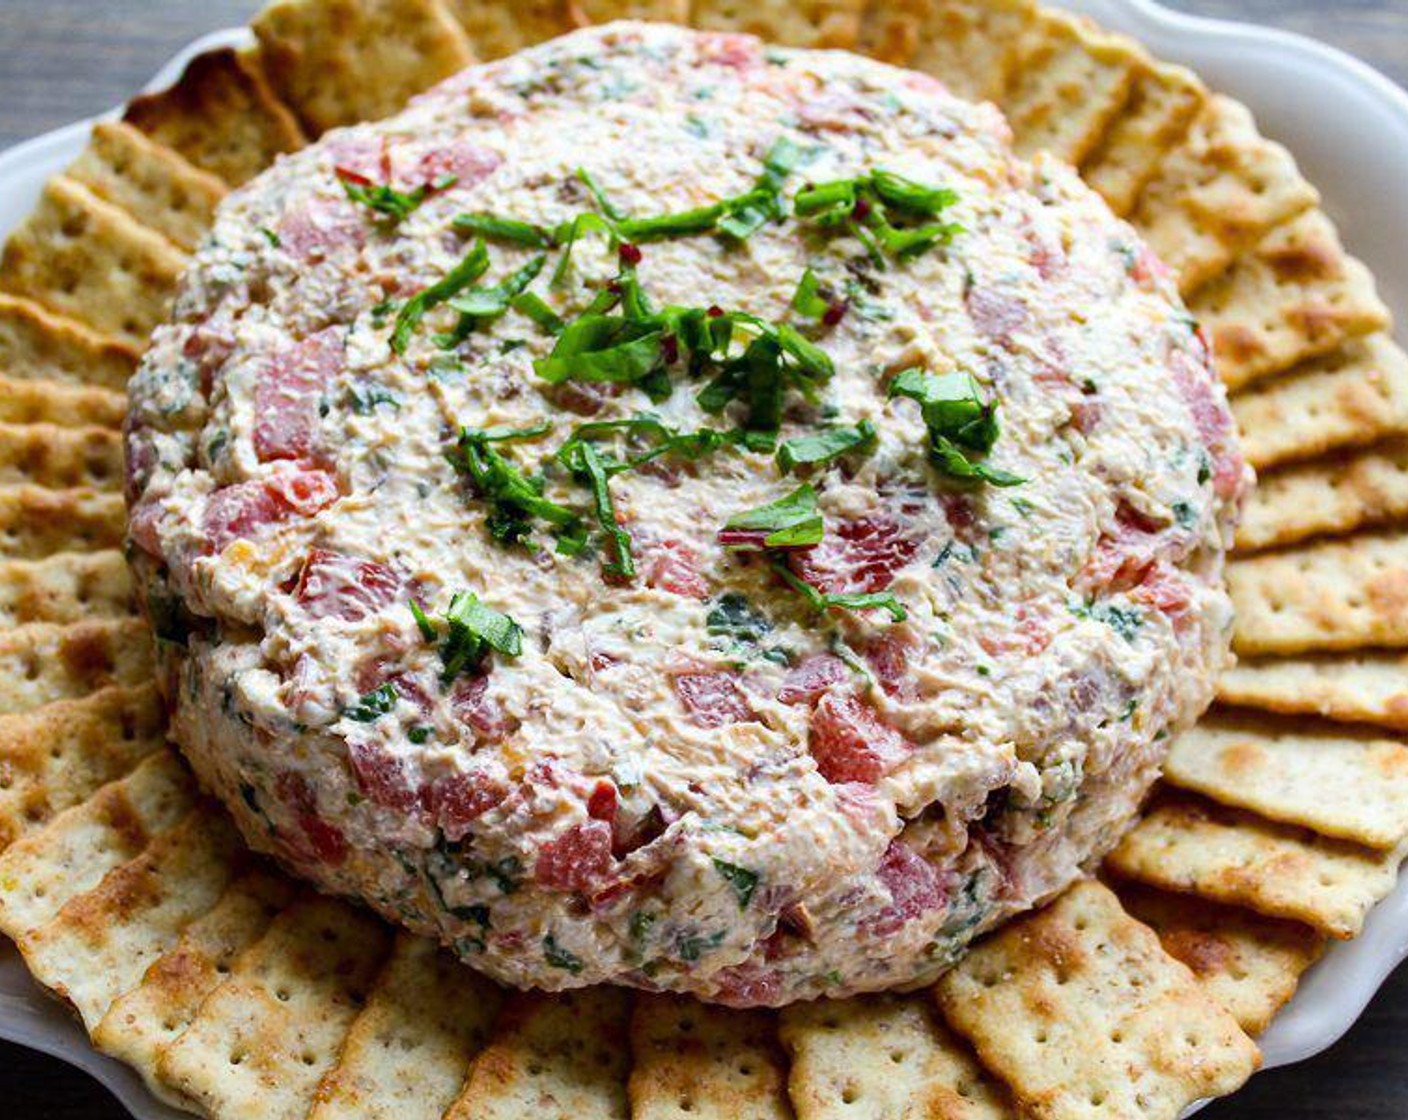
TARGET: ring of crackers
(237,992)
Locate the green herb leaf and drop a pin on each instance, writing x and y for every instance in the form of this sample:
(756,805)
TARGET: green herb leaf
(743,881)
(905,194)
(504,229)
(371,706)
(491,302)
(790,522)
(858,601)
(384,199)
(470,269)
(599,195)
(559,957)
(622,564)
(960,424)
(423,623)
(733,616)
(474,629)
(807,300)
(602,348)
(822,447)
(514,499)
(681,224)
(536,308)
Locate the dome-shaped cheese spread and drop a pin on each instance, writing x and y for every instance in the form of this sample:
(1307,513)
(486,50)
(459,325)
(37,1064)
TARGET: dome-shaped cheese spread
(669,511)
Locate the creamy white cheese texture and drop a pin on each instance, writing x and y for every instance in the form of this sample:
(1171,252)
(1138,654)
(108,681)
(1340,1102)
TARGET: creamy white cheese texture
(692,779)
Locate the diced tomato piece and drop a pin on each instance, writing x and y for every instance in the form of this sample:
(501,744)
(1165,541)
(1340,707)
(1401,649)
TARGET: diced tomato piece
(856,556)
(997,316)
(287,393)
(467,164)
(1164,590)
(325,841)
(601,805)
(672,566)
(915,887)
(472,704)
(811,677)
(383,777)
(321,228)
(360,157)
(748,985)
(576,860)
(1028,637)
(243,510)
(457,800)
(888,657)
(851,743)
(1148,270)
(712,699)
(334,585)
(741,52)
(1195,380)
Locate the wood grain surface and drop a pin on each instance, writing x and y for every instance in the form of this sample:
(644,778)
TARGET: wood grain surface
(65,59)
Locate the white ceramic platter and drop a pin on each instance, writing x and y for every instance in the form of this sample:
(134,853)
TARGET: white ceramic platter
(1348,127)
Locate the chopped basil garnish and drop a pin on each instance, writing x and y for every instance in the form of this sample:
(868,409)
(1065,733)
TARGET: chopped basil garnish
(504,229)
(470,269)
(587,463)
(960,423)
(825,446)
(734,617)
(514,499)
(491,302)
(790,522)
(473,630)
(807,300)
(868,207)
(603,348)
(371,706)
(858,601)
(383,198)
(743,881)
(536,308)
(650,429)
(559,957)
(270,236)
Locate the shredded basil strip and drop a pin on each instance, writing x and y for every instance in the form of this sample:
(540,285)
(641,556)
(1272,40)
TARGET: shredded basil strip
(491,302)
(858,601)
(591,465)
(559,957)
(869,205)
(513,498)
(743,881)
(504,229)
(807,299)
(470,269)
(536,308)
(473,630)
(602,348)
(825,446)
(371,706)
(960,424)
(423,623)
(384,199)
(792,521)
(607,208)
(667,440)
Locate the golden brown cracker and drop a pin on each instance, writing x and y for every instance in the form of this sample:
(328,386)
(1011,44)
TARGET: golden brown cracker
(788,23)
(53,402)
(969,45)
(36,344)
(60,458)
(44,662)
(1364,686)
(69,587)
(36,522)
(495,30)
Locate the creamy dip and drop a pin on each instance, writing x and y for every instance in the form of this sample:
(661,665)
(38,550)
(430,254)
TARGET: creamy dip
(611,713)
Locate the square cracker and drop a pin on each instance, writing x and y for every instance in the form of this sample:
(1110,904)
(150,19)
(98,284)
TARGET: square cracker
(969,45)
(1069,82)
(1295,296)
(58,755)
(35,522)
(318,54)
(1335,781)
(53,402)
(150,181)
(69,587)
(73,852)
(1331,595)
(158,1009)
(1081,1011)
(80,256)
(37,344)
(1218,193)
(263,1039)
(221,115)
(407,1054)
(884,1058)
(788,23)
(1351,397)
(692,1059)
(1339,493)
(60,458)
(1162,103)
(1367,686)
(42,662)
(495,30)
(1247,963)
(558,1056)
(97,947)
(1190,845)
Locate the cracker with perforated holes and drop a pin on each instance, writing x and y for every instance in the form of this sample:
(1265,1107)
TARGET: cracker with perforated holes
(72,852)
(1335,781)
(496,30)
(53,402)
(85,258)
(1227,855)
(36,522)
(692,1059)
(319,53)
(1365,686)
(43,662)
(1351,397)
(159,1008)
(788,23)
(1247,963)
(1296,295)
(221,115)
(61,458)
(261,1041)
(1345,491)
(69,587)
(58,755)
(1162,103)
(1079,1009)
(97,947)
(1218,193)
(970,45)
(1070,81)
(151,182)
(1324,596)
(36,344)
(409,1050)
(884,1058)
(565,1054)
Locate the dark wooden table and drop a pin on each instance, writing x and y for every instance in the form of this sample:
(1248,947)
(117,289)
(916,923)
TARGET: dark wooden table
(65,59)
